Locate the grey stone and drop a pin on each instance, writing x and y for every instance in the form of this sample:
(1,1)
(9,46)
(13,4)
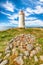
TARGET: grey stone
(41,64)
(25,57)
(21,54)
(7,55)
(11,46)
(22,47)
(41,57)
(11,41)
(0,54)
(38,49)
(7,48)
(26,53)
(8,51)
(29,47)
(4,62)
(1,60)
(13,50)
(19,60)
(35,58)
(33,52)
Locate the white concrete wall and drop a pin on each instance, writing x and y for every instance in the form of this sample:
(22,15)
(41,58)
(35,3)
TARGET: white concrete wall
(21,21)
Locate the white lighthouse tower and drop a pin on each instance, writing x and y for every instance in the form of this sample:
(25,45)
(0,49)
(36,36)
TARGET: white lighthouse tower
(21,19)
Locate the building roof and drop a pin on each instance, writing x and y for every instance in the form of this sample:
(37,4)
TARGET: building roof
(21,13)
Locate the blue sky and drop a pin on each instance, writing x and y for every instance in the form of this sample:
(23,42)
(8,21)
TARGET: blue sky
(9,10)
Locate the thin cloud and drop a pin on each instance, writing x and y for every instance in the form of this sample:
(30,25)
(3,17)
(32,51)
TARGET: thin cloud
(4,26)
(13,16)
(41,0)
(13,22)
(5,13)
(29,10)
(38,10)
(8,6)
(30,18)
(12,19)
(33,22)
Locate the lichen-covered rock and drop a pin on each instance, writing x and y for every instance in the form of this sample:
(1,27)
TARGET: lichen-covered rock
(8,51)
(35,59)
(15,51)
(1,60)
(26,53)
(25,57)
(20,48)
(19,60)
(29,47)
(38,49)
(7,55)
(11,46)
(41,57)
(7,48)
(0,54)
(33,52)
(41,64)
(21,54)
(4,62)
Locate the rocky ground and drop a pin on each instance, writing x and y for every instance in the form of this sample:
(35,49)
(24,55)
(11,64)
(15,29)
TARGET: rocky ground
(22,49)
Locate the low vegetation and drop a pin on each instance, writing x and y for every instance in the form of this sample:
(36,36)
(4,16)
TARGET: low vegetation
(6,36)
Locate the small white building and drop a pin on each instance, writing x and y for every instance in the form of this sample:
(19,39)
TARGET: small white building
(21,19)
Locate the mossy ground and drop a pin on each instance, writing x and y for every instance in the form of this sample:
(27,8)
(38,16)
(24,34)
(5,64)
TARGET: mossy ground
(6,36)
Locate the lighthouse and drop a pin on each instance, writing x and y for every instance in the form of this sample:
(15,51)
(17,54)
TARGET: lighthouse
(21,19)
